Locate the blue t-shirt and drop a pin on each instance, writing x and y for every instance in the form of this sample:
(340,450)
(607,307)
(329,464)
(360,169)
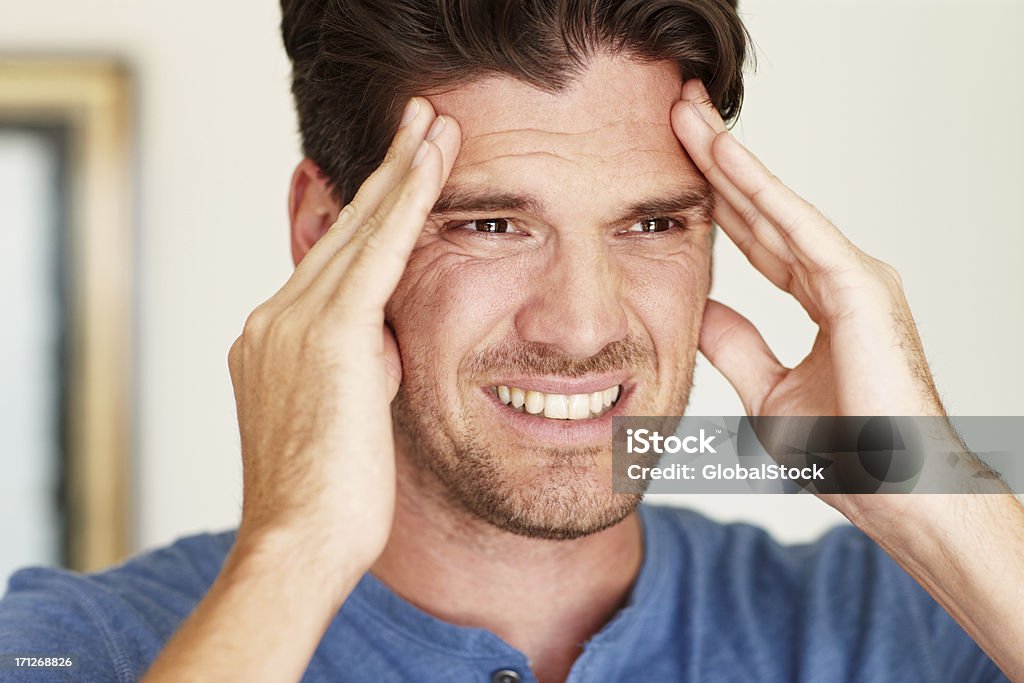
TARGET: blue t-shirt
(712,603)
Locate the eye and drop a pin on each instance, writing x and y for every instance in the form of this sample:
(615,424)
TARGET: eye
(654,225)
(491,225)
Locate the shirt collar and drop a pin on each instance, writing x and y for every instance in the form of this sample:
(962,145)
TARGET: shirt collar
(374,601)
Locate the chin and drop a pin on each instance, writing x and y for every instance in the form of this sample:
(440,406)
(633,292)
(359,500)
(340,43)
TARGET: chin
(557,519)
(560,495)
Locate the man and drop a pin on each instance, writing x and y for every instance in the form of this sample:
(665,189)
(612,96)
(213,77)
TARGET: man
(425,405)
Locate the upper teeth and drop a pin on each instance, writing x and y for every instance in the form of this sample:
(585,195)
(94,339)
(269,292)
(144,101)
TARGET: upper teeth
(559,406)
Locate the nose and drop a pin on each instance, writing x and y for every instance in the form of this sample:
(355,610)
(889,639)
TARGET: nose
(575,304)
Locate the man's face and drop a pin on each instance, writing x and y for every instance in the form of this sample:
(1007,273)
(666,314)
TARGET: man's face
(568,261)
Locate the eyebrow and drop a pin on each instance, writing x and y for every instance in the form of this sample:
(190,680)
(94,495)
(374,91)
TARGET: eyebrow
(697,198)
(463,200)
(456,200)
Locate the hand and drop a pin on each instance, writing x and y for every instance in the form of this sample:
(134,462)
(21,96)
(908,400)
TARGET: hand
(866,360)
(867,357)
(315,368)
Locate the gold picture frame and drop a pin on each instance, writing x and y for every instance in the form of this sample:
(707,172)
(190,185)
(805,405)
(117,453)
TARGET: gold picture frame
(90,99)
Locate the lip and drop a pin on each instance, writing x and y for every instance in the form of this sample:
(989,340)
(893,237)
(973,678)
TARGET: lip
(561,433)
(565,385)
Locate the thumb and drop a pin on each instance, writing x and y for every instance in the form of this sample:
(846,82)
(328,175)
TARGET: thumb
(734,346)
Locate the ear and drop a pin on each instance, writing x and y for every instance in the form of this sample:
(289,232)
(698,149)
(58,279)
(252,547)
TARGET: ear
(312,209)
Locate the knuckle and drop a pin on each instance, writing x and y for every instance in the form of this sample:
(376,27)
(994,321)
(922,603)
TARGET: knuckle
(758,193)
(391,156)
(369,227)
(279,327)
(348,213)
(749,213)
(708,167)
(807,214)
(256,323)
(235,354)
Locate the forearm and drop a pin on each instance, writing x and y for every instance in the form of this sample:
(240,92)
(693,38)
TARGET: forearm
(261,620)
(967,551)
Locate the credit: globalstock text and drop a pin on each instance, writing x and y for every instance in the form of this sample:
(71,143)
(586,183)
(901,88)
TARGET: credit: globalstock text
(644,441)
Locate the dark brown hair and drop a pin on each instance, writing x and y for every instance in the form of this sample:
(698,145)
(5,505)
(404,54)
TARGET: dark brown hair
(356,62)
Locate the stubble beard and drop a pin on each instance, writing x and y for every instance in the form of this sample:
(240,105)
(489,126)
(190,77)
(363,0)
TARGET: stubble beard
(564,500)
(567,497)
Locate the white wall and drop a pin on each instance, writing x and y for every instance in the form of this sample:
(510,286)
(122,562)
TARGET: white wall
(28,351)
(889,115)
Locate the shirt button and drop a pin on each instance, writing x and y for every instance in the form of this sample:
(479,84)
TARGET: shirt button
(506,676)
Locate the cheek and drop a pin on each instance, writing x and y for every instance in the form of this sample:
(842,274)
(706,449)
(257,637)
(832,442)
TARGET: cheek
(448,305)
(668,296)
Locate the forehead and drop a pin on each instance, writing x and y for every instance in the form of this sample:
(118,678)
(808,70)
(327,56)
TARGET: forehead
(610,128)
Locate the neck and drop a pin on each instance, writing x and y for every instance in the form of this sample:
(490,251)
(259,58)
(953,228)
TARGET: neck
(542,597)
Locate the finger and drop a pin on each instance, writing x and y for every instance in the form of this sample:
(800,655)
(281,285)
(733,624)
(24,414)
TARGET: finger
(811,237)
(698,136)
(768,264)
(380,250)
(694,91)
(775,269)
(417,118)
(734,346)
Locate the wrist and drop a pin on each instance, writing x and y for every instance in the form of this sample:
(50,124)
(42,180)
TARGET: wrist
(938,528)
(298,557)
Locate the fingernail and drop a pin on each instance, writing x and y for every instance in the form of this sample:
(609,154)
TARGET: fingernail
(703,90)
(436,128)
(421,153)
(411,109)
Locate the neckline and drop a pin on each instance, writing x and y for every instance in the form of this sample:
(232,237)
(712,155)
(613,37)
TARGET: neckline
(376,601)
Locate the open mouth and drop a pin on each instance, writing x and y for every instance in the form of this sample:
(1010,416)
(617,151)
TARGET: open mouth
(559,406)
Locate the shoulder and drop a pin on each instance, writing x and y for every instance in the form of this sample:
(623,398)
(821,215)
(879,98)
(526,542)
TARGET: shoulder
(738,547)
(113,621)
(840,598)
(843,568)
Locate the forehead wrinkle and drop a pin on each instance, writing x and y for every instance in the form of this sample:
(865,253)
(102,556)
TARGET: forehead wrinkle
(630,135)
(516,155)
(672,150)
(658,125)
(653,163)
(579,159)
(632,131)
(535,131)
